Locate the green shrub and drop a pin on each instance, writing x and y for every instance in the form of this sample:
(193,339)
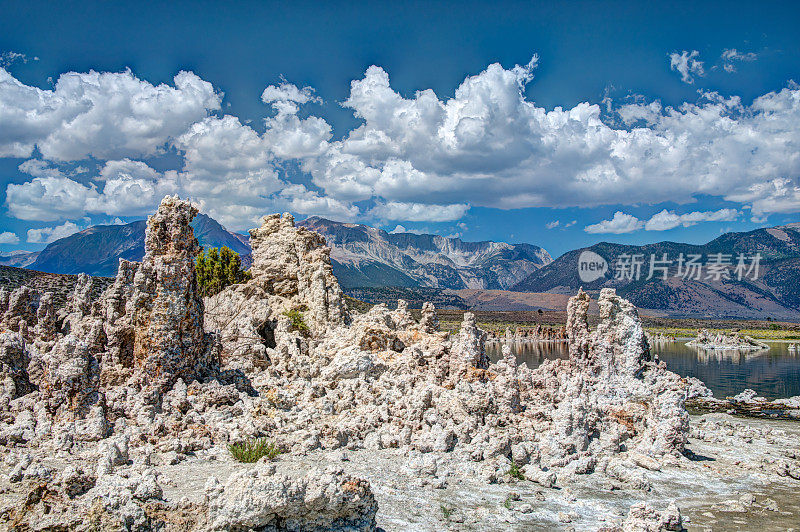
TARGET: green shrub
(217,269)
(296,317)
(253,449)
(446,512)
(515,472)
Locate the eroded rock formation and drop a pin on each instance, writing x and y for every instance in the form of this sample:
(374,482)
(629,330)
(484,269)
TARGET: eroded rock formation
(167,313)
(136,372)
(261,499)
(734,341)
(291,276)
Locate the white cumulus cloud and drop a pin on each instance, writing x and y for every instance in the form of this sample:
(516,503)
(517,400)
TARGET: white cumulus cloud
(7,237)
(687,65)
(101,115)
(489,146)
(9,58)
(780,195)
(661,221)
(619,224)
(419,212)
(298,198)
(417,157)
(287,92)
(46,235)
(665,219)
(125,187)
(130,188)
(730,56)
(49,198)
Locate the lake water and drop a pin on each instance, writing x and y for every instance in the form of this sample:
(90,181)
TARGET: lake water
(773,372)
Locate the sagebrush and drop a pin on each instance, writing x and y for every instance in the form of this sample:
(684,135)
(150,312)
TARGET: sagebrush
(253,449)
(515,472)
(296,318)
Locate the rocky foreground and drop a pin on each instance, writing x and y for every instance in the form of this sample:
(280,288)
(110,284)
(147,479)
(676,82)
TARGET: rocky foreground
(117,412)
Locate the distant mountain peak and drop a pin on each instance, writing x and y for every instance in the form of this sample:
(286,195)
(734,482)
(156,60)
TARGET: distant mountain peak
(775,293)
(365,256)
(362,255)
(97,250)
(18,258)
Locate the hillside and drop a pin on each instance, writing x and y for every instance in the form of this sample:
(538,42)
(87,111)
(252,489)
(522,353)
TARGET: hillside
(97,250)
(364,256)
(361,256)
(20,259)
(415,297)
(61,286)
(374,265)
(774,293)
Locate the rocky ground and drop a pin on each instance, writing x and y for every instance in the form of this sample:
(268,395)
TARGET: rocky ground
(735,478)
(117,411)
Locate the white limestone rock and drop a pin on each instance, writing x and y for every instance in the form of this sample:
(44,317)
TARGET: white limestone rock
(260,498)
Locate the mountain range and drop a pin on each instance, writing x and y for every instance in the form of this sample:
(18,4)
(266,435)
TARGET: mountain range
(486,274)
(19,258)
(363,256)
(97,250)
(773,292)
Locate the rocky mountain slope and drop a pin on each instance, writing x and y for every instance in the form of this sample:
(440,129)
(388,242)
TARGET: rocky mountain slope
(364,256)
(97,250)
(60,286)
(367,258)
(775,292)
(19,258)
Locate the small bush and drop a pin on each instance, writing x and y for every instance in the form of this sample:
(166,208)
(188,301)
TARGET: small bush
(253,449)
(296,317)
(447,512)
(515,472)
(217,269)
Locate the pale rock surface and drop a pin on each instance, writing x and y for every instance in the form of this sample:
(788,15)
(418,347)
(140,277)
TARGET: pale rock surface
(14,359)
(429,322)
(291,271)
(137,382)
(19,308)
(644,518)
(167,317)
(318,501)
(735,341)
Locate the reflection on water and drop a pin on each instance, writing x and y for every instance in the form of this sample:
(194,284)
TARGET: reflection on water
(532,353)
(772,373)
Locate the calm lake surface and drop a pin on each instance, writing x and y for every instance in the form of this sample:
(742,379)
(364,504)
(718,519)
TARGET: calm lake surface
(773,373)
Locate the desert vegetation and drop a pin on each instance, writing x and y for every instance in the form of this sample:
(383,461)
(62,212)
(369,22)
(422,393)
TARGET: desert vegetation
(252,450)
(218,268)
(297,320)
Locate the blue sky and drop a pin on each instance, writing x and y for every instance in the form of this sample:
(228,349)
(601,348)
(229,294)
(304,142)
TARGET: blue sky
(684,119)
